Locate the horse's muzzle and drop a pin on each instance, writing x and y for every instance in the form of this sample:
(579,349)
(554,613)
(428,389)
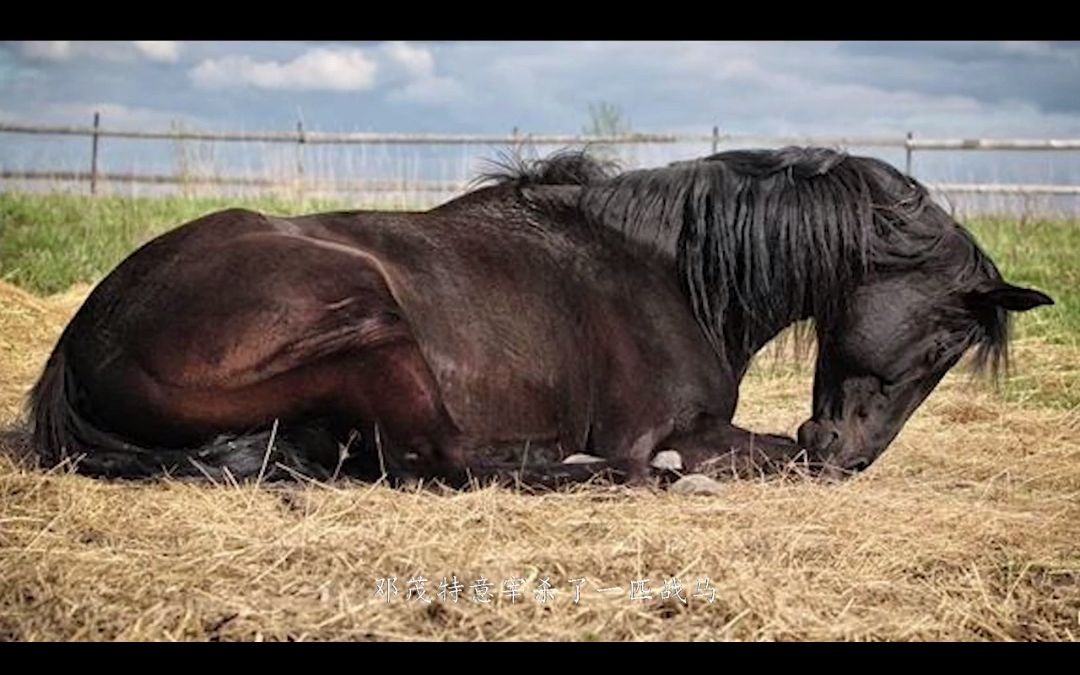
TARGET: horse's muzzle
(824,447)
(817,438)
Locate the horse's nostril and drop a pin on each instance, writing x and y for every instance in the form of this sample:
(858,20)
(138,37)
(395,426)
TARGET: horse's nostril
(817,437)
(830,442)
(858,465)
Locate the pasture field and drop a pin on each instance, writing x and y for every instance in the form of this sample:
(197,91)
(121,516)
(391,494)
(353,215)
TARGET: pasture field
(968,527)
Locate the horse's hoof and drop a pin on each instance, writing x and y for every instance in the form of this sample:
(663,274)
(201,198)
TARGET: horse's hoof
(696,484)
(581,458)
(667,460)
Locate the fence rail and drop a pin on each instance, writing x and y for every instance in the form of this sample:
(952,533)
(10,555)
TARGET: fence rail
(377,138)
(908,143)
(429,185)
(239,181)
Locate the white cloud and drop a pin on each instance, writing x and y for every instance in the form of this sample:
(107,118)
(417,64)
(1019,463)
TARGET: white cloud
(415,61)
(119,52)
(49,50)
(158,50)
(412,69)
(430,90)
(317,69)
(113,116)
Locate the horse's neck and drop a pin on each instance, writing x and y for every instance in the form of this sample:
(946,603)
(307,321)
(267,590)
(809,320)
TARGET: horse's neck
(739,354)
(741,343)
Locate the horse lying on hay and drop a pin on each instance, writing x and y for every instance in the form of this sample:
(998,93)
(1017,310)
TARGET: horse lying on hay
(561,310)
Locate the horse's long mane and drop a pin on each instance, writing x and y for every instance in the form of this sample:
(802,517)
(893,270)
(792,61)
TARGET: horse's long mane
(765,238)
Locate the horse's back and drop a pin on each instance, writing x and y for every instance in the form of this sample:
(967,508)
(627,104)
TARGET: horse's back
(236,299)
(494,306)
(225,321)
(228,291)
(505,322)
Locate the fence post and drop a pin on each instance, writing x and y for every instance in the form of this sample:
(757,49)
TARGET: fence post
(715,138)
(300,140)
(907,146)
(93,154)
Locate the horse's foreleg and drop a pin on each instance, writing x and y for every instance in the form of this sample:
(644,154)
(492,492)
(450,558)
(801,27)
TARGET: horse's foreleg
(721,448)
(626,464)
(549,475)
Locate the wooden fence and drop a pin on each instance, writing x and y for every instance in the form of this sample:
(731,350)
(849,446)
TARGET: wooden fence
(909,143)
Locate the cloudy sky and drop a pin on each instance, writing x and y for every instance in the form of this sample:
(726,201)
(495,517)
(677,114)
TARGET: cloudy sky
(937,88)
(934,89)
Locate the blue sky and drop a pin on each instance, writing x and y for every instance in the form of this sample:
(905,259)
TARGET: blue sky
(937,88)
(934,89)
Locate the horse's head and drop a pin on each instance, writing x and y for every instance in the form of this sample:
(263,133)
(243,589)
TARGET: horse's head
(898,290)
(896,336)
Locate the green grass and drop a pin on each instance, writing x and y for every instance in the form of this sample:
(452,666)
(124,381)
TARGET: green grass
(1043,254)
(50,241)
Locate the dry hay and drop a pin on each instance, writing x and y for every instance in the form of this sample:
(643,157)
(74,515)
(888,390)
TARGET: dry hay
(967,528)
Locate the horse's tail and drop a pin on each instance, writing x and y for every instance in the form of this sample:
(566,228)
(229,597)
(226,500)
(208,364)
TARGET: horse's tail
(61,431)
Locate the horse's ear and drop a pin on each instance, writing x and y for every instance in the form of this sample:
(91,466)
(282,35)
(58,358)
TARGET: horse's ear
(1010,297)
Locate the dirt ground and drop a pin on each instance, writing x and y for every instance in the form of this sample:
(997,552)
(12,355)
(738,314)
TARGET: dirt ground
(968,527)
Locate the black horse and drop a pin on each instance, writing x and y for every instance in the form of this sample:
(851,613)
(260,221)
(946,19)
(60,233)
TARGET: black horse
(562,310)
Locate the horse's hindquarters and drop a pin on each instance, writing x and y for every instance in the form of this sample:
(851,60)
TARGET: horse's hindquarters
(268,327)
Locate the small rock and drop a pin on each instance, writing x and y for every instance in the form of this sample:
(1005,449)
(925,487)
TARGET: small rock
(667,460)
(580,458)
(696,484)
